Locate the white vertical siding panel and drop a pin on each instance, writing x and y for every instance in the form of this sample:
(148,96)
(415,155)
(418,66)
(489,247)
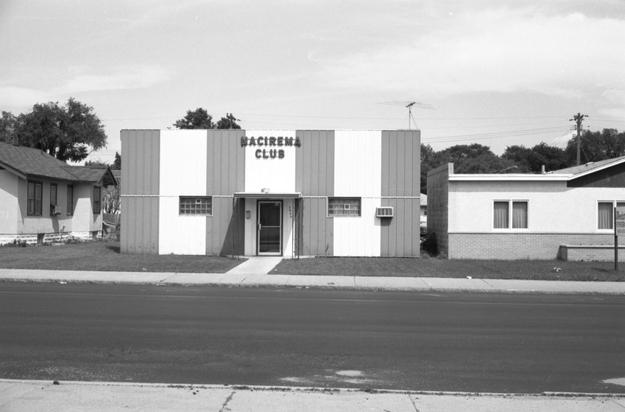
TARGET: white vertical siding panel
(278,175)
(359,236)
(183,172)
(183,163)
(358,173)
(180,235)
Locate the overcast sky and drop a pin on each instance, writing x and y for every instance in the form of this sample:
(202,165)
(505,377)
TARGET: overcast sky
(498,73)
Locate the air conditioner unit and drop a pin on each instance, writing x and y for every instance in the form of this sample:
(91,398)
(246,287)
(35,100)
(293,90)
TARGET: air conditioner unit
(385,211)
(56,210)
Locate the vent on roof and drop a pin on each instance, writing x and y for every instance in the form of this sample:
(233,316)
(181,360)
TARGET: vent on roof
(385,211)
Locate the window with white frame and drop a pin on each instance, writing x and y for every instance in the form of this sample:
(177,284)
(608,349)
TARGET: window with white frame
(343,206)
(605,214)
(510,214)
(35,191)
(97,200)
(196,206)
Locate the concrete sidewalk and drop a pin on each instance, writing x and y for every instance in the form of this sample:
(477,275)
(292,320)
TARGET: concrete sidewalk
(246,277)
(34,396)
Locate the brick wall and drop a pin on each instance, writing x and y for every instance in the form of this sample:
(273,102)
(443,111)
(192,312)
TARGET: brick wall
(591,253)
(518,245)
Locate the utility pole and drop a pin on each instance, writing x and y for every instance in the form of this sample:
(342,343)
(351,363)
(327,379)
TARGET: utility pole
(578,119)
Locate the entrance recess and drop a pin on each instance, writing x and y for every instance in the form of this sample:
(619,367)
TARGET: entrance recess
(269,227)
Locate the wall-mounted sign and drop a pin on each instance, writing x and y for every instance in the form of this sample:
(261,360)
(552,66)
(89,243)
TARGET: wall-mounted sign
(265,144)
(619,221)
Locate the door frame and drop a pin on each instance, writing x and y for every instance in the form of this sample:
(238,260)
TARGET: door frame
(281,204)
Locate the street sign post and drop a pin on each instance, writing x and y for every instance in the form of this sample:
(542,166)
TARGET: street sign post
(619,229)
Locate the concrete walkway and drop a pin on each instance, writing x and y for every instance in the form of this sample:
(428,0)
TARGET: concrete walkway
(256,265)
(34,396)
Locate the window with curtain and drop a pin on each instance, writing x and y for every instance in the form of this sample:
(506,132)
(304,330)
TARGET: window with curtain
(97,199)
(501,215)
(70,200)
(35,190)
(605,215)
(510,214)
(519,215)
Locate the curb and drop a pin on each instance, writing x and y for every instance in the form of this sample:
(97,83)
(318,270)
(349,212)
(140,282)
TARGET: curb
(313,389)
(317,286)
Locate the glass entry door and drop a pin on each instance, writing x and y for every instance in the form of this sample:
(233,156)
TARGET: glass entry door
(269,227)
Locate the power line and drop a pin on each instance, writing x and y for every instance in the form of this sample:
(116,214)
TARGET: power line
(495,135)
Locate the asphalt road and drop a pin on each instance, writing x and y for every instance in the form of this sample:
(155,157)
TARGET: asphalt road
(326,338)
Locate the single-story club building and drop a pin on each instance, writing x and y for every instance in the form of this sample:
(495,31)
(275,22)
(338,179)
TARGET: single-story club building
(43,199)
(566,214)
(285,193)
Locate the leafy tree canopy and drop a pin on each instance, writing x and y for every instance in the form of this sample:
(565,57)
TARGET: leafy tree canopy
(117,164)
(197,119)
(596,146)
(228,122)
(68,132)
(200,119)
(96,164)
(8,126)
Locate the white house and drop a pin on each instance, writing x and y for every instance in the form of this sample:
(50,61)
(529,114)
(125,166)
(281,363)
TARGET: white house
(43,198)
(563,214)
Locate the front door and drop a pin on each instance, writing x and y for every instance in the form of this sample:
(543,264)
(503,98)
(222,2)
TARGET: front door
(269,227)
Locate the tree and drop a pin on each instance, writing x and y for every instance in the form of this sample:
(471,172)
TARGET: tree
(475,158)
(197,119)
(200,119)
(552,157)
(228,122)
(429,161)
(117,164)
(69,132)
(8,126)
(520,155)
(96,164)
(596,146)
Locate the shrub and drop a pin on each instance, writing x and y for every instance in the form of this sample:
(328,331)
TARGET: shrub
(430,245)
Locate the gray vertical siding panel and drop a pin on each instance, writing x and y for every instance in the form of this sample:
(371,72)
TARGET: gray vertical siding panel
(409,164)
(225,174)
(315,180)
(315,163)
(401,168)
(386,166)
(317,228)
(140,177)
(400,179)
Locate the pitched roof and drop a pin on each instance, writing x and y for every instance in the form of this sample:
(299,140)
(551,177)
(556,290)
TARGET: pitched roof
(568,174)
(29,162)
(590,167)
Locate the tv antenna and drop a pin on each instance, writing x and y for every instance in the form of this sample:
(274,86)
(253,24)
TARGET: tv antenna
(409,105)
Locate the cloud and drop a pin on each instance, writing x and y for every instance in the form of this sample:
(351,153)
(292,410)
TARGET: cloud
(493,51)
(12,97)
(121,78)
(615,100)
(137,77)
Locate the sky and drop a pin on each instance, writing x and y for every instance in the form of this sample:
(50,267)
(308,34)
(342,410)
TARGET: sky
(497,73)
